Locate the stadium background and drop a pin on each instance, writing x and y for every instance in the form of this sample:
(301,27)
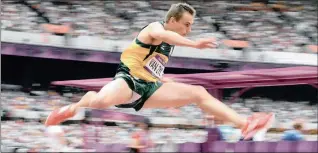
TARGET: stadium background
(29,69)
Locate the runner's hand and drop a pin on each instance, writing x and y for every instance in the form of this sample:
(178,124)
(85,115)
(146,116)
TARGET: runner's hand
(206,43)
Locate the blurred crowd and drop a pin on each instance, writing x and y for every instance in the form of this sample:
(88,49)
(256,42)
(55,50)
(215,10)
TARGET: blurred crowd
(285,111)
(24,113)
(265,30)
(29,110)
(28,106)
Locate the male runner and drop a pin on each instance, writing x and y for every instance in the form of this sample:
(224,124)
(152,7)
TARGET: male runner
(139,82)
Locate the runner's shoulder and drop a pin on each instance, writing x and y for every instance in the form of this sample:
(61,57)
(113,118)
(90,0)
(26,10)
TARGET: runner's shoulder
(156,24)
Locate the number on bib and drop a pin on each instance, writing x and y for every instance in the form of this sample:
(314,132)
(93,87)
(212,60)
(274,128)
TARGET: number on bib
(155,66)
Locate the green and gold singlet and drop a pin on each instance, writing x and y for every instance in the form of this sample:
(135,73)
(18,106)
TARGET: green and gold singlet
(142,65)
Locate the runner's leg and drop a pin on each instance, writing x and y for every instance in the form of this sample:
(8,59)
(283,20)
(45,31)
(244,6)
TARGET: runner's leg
(179,94)
(114,93)
(174,94)
(84,102)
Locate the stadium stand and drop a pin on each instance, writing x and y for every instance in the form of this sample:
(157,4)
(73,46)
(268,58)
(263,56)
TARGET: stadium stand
(254,27)
(265,29)
(21,107)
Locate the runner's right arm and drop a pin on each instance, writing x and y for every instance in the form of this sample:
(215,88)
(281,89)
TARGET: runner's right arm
(157,31)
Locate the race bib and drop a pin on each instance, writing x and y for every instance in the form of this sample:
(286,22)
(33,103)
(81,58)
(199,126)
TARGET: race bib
(155,66)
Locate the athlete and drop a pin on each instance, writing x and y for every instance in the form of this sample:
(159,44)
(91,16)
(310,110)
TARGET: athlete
(139,82)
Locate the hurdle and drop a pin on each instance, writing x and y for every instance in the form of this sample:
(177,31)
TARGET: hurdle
(97,118)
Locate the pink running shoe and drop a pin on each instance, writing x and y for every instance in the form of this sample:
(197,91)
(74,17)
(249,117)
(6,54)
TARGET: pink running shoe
(59,115)
(257,122)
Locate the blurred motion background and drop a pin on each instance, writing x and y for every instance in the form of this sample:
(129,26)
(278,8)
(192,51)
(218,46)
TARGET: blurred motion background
(45,41)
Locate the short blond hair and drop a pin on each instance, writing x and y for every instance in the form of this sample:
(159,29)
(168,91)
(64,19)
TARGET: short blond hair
(177,10)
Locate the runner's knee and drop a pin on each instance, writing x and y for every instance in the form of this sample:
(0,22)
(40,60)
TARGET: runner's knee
(200,93)
(91,94)
(102,101)
(99,101)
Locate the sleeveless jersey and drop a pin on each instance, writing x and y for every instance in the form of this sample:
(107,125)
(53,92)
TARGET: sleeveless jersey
(146,62)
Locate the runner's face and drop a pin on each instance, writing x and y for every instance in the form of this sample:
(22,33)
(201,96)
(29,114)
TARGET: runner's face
(183,26)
